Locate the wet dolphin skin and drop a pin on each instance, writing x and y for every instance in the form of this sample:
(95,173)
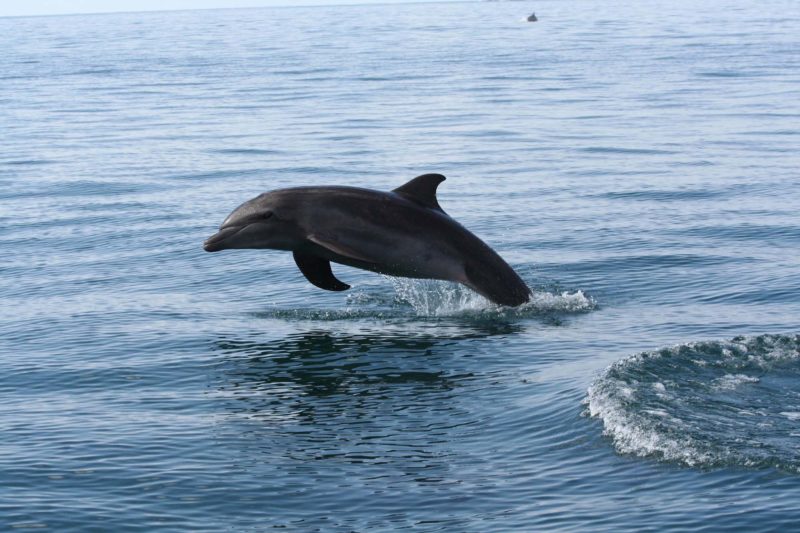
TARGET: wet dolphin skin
(399,233)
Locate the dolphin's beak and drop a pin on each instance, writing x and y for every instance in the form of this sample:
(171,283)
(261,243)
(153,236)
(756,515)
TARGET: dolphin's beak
(216,242)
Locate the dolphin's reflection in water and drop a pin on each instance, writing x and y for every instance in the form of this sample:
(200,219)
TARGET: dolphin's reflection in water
(365,397)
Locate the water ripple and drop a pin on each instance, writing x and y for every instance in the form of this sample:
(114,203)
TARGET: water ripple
(641,175)
(706,404)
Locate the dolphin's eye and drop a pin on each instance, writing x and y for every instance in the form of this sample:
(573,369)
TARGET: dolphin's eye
(267,215)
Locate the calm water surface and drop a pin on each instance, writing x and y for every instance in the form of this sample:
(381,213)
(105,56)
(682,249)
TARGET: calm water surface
(638,165)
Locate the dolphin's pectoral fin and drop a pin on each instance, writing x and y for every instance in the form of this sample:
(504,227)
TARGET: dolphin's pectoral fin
(318,271)
(337,246)
(422,190)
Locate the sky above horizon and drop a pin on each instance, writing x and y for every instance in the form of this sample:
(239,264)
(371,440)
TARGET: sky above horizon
(64,7)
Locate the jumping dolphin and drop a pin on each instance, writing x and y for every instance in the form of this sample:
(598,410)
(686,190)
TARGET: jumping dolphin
(400,233)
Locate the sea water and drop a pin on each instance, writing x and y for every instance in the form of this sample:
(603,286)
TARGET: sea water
(636,162)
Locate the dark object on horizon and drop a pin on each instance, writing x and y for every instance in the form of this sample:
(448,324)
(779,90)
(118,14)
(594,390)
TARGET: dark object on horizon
(532,18)
(400,233)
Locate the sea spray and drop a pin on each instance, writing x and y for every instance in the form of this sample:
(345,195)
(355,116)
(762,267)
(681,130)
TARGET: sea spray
(430,298)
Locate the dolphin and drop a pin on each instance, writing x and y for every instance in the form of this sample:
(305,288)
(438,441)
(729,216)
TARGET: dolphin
(399,233)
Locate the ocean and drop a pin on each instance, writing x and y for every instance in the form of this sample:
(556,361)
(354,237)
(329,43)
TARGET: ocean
(636,163)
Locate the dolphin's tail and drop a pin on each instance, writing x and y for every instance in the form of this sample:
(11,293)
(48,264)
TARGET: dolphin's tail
(494,279)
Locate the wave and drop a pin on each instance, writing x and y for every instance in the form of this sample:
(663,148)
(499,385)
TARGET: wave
(707,404)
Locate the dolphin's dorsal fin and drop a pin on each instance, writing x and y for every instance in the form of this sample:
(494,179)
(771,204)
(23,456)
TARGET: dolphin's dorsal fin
(318,271)
(422,190)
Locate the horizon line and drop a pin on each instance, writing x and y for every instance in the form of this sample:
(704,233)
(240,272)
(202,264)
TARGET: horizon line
(230,8)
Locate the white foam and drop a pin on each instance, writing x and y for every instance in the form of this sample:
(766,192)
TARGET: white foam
(565,302)
(630,433)
(653,404)
(441,298)
(731,381)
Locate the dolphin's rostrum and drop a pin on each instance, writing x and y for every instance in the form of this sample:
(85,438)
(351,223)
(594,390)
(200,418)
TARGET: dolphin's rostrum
(400,233)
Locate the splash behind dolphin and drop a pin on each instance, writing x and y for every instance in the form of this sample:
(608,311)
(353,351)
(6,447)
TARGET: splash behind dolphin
(400,233)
